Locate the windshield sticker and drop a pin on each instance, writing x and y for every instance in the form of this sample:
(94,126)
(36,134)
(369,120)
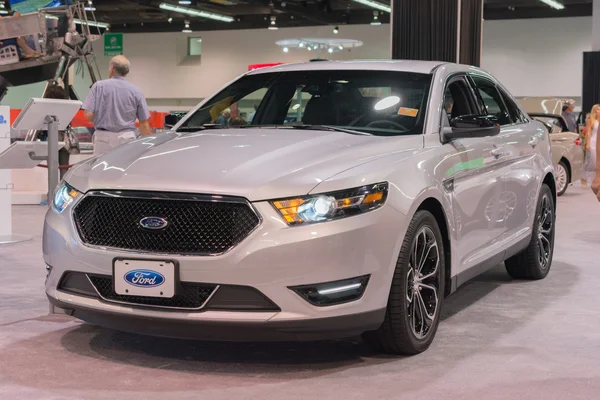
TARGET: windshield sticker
(408,112)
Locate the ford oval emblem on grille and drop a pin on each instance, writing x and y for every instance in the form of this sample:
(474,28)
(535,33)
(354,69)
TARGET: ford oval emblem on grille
(144,278)
(154,223)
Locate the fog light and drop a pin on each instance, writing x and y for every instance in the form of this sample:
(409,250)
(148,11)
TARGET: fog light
(331,293)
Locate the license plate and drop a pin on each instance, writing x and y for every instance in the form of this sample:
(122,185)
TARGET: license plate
(144,278)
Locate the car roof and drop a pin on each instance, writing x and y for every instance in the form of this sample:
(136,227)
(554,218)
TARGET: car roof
(423,67)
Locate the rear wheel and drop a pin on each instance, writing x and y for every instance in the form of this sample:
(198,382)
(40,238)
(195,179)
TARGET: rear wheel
(534,262)
(417,292)
(562,178)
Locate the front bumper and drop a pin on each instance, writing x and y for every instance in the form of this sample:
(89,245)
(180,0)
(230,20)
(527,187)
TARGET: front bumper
(230,329)
(272,259)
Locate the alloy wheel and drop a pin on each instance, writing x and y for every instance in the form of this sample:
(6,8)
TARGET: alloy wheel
(423,283)
(545,233)
(561,178)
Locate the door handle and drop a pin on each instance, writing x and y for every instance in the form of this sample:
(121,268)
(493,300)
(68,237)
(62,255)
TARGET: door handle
(497,152)
(534,141)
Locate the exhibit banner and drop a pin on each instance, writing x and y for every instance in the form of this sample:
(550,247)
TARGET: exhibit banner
(113,44)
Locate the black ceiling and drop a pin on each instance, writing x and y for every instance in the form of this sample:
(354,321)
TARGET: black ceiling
(146,16)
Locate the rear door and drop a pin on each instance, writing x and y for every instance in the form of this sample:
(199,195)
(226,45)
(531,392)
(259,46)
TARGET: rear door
(519,140)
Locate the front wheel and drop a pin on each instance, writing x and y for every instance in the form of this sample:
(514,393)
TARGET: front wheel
(534,262)
(562,178)
(417,291)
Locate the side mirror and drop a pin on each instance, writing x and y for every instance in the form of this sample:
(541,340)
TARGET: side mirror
(172,119)
(471,126)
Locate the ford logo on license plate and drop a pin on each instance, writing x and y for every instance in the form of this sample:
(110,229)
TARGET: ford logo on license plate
(144,278)
(154,223)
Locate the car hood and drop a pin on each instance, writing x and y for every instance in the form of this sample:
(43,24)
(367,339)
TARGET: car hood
(257,164)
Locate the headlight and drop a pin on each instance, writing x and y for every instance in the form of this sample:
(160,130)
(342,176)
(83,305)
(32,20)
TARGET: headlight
(64,196)
(330,206)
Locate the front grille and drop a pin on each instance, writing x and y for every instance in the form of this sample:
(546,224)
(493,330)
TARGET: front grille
(191,296)
(196,225)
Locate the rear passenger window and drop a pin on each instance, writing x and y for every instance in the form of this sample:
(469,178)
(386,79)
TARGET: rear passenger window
(492,99)
(513,110)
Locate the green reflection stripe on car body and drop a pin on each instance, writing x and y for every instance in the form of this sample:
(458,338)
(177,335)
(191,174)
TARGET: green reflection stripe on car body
(466,165)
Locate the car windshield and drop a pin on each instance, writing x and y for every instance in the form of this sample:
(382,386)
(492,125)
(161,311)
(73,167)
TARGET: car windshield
(372,102)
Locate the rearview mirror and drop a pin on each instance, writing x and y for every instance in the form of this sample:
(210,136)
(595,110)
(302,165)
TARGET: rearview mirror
(471,126)
(172,119)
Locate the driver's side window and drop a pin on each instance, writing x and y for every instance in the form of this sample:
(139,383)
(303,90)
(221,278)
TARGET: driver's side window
(457,102)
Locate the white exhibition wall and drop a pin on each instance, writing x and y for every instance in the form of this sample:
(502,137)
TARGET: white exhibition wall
(540,57)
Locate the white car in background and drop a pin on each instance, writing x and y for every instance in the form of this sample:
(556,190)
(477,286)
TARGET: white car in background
(567,149)
(358,197)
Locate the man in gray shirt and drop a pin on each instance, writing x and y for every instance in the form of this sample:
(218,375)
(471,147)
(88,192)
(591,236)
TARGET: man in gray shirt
(113,106)
(569,116)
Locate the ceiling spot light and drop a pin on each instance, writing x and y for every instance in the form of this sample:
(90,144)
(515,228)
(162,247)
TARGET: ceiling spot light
(336,30)
(170,19)
(186,28)
(330,50)
(374,4)
(376,20)
(301,45)
(89,7)
(557,5)
(273,25)
(295,107)
(341,47)
(309,48)
(195,13)
(285,49)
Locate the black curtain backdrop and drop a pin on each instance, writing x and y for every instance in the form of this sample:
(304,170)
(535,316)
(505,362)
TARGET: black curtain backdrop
(424,30)
(591,81)
(470,32)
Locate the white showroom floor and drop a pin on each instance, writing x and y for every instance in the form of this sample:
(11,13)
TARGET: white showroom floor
(499,339)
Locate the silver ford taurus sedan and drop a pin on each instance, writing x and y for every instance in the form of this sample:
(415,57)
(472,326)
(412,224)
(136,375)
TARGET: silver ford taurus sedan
(308,201)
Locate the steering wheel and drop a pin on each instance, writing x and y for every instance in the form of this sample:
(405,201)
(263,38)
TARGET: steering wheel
(381,123)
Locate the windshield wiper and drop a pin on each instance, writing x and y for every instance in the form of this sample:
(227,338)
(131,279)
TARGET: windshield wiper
(328,128)
(199,128)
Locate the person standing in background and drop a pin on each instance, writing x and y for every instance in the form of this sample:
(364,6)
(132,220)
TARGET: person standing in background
(54,91)
(596,182)
(113,105)
(591,135)
(569,116)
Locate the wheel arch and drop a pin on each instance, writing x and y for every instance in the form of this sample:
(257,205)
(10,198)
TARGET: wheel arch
(550,180)
(434,206)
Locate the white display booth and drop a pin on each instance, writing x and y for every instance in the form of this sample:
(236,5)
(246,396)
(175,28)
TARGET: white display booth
(30,183)
(50,115)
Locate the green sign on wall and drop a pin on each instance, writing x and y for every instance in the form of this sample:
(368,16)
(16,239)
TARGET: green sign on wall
(113,44)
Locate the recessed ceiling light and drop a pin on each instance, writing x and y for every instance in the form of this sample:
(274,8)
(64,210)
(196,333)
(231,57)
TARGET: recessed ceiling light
(376,5)
(185,2)
(336,30)
(554,4)
(91,23)
(196,13)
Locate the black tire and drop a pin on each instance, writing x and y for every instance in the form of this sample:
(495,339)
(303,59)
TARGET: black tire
(561,191)
(534,261)
(397,335)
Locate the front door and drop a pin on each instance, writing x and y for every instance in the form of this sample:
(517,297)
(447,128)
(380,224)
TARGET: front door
(475,170)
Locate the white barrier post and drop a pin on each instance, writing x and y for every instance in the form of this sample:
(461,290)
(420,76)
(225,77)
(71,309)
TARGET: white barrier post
(6,235)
